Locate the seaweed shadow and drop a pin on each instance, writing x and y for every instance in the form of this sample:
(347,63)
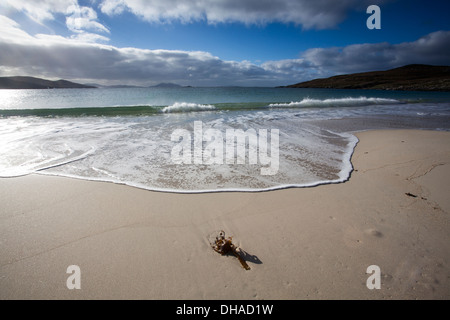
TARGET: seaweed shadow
(249,257)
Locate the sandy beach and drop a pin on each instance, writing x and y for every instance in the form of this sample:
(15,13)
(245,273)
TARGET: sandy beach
(300,243)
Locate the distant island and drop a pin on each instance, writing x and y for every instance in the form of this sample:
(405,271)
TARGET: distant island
(414,77)
(20,82)
(37,83)
(166,85)
(119,86)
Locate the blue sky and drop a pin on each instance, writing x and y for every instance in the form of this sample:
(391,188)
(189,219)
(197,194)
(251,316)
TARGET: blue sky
(216,42)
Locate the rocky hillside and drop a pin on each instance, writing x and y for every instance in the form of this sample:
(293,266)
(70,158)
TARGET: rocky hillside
(409,78)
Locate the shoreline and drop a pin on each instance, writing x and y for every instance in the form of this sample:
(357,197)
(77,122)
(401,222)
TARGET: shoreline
(300,243)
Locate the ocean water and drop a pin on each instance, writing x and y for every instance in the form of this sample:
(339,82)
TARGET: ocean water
(201,139)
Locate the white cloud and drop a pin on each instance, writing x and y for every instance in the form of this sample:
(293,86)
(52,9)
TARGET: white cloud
(80,19)
(90,37)
(40,10)
(113,7)
(10,30)
(317,14)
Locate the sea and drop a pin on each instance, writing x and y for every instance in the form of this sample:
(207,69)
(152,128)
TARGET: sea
(209,139)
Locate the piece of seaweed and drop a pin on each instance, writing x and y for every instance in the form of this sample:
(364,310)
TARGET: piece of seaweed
(224,245)
(411,195)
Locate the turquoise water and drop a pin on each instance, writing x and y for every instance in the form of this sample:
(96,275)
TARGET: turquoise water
(303,137)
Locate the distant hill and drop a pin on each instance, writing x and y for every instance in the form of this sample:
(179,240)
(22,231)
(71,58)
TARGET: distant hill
(414,77)
(166,85)
(37,83)
(121,86)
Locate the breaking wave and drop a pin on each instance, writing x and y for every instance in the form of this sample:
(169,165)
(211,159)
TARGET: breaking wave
(342,102)
(187,107)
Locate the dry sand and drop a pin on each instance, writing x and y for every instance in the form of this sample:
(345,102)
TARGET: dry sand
(304,243)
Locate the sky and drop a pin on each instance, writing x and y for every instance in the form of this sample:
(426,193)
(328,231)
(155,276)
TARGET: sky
(216,42)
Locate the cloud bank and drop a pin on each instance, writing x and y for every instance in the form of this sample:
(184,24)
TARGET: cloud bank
(433,49)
